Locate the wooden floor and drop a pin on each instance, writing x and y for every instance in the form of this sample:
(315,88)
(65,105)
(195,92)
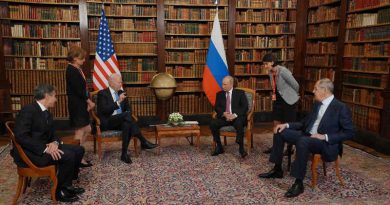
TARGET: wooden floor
(258,128)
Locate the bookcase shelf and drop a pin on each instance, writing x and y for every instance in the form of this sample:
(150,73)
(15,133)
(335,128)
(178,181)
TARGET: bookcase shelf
(325,21)
(368,9)
(48,2)
(318,3)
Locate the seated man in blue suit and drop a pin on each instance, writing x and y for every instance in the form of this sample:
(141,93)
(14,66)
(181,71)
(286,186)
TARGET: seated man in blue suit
(321,132)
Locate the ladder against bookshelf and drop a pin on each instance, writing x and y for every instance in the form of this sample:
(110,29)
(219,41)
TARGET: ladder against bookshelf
(36,36)
(133,27)
(263,27)
(321,49)
(366,61)
(188,25)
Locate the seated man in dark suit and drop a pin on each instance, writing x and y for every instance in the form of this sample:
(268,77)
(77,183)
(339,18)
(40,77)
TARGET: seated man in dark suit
(321,132)
(231,106)
(34,131)
(114,112)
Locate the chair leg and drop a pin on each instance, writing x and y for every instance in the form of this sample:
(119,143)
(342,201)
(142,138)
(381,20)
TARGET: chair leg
(18,189)
(94,144)
(324,168)
(136,147)
(314,174)
(252,140)
(248,142)
(337,166)
(100,149)
(224,140)
(25,184)
(54,186)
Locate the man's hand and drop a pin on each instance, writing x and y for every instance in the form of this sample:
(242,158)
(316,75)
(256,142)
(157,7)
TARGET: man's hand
(279,128)
(318,136)
(52,149)
(56,155)
(90,104)
(122,97)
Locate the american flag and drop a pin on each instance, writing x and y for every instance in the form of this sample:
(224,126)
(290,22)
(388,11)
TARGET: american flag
(106,62)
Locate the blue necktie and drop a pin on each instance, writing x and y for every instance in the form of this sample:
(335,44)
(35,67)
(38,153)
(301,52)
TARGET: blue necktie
(118,111)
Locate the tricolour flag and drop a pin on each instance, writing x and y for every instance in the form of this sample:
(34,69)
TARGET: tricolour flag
(216,65)
(105,63)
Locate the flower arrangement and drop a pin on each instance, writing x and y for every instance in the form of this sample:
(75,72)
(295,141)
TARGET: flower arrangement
(175,118)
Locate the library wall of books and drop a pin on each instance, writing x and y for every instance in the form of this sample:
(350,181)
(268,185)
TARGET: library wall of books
(347,41)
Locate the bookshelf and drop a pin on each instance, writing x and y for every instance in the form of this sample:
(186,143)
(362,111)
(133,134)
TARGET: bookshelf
(133,26)
(35,38)
(262,27)
(366,62)
(321,49)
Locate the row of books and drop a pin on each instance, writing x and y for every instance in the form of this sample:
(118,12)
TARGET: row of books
(361,4)
(196,56)
(323,30)
(372,80)
(248,28)
(257,55)
(306,103)
(362,34)
(122,1)
(381,49)
(368,19)
(362,96)
(191,13)
(324,13)
(250,68)
(57,30)
(35,63)
(39,48)
(179,42)
(143,105)
(124,24)
(317,74)
(366,118)
(370,65)
(255,83)
(138,91)
(43,13)
(59,111)
(263,103)
(265,42)
(313,3)
(266,15)
(189,104)
(194,2)
(130,48)
(137,77)
(189,85)
(193,28)
(194,71)
(321,60)
(122,9)
(137,64)
(24,81)
(321,47)
(272,4)
(128,37)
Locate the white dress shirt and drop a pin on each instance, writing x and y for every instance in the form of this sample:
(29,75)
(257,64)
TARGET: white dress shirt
(113,95)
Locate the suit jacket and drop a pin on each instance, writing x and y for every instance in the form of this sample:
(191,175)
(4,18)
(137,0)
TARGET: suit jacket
(106,106)
(286,85)
(33,132)
(336,123)
(239,103)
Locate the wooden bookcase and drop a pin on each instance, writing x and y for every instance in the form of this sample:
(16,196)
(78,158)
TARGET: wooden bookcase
(321,48)
(36,36)
(366,62)
(262,27)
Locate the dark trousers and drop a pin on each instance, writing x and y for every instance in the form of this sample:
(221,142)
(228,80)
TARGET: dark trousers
(125,123)
(237,123)
(304,146)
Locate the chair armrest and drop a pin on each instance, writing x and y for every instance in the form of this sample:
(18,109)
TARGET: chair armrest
(135,118)
(95,118)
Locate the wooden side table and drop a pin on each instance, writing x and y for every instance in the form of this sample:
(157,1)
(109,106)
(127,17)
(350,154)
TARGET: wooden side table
(177,131)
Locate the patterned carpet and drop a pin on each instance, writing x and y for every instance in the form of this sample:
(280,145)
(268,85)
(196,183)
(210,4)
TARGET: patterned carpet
(181,174)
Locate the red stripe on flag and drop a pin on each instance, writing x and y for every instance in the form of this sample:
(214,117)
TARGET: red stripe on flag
(210,85)
(112,70)
(97,77)
(101,69)
(115,60)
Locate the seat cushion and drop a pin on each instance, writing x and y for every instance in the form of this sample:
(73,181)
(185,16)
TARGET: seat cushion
(111,133)
(228,129)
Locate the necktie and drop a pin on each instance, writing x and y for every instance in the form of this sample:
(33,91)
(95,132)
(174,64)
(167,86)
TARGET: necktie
(119,110)
(46,114)
(228,102)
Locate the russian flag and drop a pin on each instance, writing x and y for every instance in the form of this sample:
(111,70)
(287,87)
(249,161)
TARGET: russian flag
(216,65)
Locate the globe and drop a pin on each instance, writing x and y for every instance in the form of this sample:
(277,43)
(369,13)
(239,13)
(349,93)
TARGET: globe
(163,85)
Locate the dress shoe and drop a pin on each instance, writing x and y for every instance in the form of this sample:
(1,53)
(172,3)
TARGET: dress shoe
(126,159)
(217,151)
(295,190)
(272,174)
(64,196)
(148,145)
(268,151)
(88,164)
(243,154)
(74,190)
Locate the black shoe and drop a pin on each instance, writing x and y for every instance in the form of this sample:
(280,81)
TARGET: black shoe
(148,145)
(217,151)
(125,158)
(64,196)
(272,174)
(295,190)
(88,164)
(74,190)
(268,151)
(243,154)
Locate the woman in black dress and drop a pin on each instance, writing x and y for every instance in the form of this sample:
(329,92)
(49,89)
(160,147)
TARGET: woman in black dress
(79,103)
